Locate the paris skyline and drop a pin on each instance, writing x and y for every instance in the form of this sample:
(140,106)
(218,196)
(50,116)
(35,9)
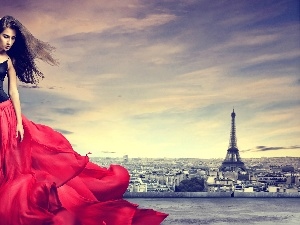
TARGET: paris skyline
(160,78)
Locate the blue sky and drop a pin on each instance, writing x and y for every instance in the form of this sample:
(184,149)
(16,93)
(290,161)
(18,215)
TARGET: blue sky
(160,78)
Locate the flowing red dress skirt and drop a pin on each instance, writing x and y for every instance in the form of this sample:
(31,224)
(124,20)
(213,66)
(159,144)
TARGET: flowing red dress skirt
(43,181)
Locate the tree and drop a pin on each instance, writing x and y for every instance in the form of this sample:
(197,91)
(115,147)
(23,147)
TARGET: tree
(191,185)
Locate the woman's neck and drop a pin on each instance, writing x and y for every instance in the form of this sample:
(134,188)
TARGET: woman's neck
(3,56)
(3,52)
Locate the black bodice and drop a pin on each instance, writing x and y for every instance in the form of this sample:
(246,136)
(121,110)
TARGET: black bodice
(3,70)
(3,73)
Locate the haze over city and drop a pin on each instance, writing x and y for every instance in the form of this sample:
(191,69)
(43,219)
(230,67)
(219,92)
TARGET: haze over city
(160,78)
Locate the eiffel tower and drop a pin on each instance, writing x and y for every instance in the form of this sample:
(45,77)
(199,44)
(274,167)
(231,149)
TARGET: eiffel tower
(232,160)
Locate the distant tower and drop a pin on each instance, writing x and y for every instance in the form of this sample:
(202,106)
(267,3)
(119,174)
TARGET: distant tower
(125,158)
(233,160)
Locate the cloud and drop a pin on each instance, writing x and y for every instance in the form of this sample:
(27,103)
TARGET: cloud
(67,111)
(63,131)
(273,57)
(243,15)
(179,65)
(265,148)
(93,16)
(151,20)
(247,150)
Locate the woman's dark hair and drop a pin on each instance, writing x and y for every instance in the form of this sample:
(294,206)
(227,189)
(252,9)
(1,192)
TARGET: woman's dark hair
(25,50)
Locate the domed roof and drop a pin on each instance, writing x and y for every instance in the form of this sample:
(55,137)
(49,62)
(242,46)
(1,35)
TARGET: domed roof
(287,168)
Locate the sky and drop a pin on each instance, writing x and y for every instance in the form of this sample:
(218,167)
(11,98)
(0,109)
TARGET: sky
(160,78)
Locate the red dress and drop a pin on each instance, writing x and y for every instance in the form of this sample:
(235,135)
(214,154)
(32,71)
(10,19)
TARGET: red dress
(43,181)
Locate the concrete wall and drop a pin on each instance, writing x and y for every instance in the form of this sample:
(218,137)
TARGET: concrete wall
(266,195)
(210,195)
(177,195)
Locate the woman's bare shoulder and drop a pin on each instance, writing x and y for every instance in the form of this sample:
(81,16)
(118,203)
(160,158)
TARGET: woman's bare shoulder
(9,63)
(4,57)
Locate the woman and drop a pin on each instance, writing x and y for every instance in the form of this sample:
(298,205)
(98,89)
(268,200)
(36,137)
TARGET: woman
(43,180)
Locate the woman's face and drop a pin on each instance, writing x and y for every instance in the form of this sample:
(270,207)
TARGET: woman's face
(7,39)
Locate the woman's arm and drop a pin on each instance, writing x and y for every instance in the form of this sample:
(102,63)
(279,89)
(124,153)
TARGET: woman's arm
(14,96)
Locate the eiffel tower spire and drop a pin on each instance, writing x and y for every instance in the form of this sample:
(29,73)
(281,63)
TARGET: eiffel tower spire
(232,161)
(232,140)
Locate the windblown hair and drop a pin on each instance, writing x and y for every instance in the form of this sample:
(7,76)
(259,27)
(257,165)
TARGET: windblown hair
(25,50)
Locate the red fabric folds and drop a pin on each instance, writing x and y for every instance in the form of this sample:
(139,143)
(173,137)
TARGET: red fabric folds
(43,181)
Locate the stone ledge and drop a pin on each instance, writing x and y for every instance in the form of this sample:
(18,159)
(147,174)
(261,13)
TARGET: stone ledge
(210,195)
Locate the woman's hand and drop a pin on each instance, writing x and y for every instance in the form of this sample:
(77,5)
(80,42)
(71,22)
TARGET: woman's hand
(20,131)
